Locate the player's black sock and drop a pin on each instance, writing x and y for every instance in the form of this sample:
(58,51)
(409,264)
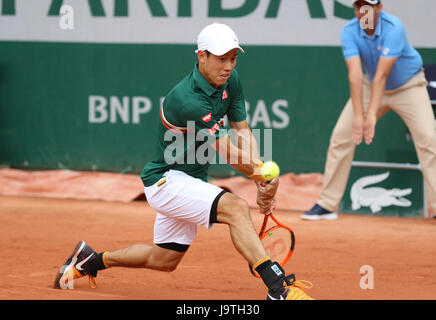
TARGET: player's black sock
(97,264)
(272,274)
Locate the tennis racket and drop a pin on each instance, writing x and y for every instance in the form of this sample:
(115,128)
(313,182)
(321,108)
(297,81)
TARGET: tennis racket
(278,241)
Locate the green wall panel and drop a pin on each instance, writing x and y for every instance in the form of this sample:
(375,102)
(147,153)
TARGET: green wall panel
(45,90)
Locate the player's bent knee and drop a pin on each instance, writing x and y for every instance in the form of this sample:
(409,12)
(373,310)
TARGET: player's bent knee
(232,209)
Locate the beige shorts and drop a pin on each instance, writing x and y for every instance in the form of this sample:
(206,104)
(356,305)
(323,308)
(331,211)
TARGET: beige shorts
(183,203)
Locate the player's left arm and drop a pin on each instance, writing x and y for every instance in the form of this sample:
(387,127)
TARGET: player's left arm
(246,145)
(239,159)
(245,141)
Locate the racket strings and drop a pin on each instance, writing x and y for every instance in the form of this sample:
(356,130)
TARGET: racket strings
(278,244)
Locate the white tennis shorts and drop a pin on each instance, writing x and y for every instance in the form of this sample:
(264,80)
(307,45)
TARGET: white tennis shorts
(183,203)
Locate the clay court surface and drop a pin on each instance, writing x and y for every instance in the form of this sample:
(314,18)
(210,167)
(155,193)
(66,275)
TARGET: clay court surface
(37,234)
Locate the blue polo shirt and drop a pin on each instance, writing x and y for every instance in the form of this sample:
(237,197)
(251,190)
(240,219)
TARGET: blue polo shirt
(389,40)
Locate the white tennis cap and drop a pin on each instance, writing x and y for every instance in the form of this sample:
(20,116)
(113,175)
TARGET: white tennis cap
(371,1)
(218,39)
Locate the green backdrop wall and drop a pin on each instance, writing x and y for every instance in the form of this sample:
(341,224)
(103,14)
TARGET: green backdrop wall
(95,106)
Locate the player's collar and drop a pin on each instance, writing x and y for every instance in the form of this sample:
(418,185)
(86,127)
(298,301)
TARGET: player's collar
(203,84)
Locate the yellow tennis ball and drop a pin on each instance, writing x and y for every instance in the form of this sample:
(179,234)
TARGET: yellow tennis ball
(270,170)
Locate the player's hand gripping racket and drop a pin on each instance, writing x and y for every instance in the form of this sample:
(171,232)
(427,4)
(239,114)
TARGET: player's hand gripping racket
(278,241)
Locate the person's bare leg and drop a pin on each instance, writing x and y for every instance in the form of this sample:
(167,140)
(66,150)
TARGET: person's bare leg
(235,212)
(144,256)
(231,210)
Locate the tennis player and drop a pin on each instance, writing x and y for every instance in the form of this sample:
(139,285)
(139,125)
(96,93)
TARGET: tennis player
(175,183)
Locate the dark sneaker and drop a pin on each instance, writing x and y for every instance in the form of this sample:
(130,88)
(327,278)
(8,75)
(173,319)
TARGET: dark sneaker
(319,213)
(77,266)
(292,290)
